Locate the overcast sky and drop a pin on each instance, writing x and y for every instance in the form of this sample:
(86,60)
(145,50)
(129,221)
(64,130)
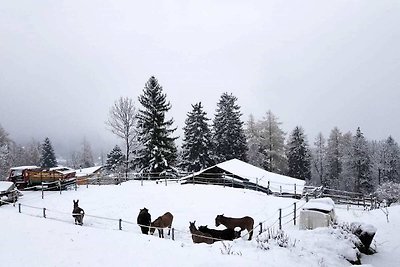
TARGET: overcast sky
(318,64)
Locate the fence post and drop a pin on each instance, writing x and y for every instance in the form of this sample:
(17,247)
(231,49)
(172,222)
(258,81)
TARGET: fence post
(165,181)
(307,197)
(295,195)
(42,191)
(44,212)
(141,181)
(59,184)
(256,184)
(120,224)
(75,185)
(294,211)
(280,219)
(280,190)
(232,182)
(173,234)
(19,207)
(193,178)
(261,228)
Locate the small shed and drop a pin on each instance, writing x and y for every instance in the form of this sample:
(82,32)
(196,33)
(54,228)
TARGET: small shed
(8,192)
(316,213)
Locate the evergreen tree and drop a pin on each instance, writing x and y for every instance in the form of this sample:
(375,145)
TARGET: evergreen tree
(253,139)
(158,151)
(346,177)
(228,134)
(273,144)
(319,167)
(298,154)
(5,156)
(115,160)
(361,164)
(197,143)
(334,158)
(48,158)
(390,160)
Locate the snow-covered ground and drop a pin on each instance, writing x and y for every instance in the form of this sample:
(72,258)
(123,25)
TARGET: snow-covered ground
(31,240)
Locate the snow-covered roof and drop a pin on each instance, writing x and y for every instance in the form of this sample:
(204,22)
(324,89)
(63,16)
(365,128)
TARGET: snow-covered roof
(258,176)
(324,204)
(62,169)
(24,167)
(87,171)
(4,185)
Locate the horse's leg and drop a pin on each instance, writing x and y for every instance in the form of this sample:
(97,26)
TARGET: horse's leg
(250,233)
(169,230)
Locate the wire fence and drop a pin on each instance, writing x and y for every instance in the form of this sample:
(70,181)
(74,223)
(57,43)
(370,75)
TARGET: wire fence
(99,221)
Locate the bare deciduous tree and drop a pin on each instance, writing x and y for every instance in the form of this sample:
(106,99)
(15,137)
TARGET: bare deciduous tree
(123,123)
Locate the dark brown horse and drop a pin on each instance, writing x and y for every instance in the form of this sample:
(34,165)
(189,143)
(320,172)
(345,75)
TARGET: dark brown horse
(144,220)
(162,222)
(199,237)
(230,223)
(78,213)
(226,234)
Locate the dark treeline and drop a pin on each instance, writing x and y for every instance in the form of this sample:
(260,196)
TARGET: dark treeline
(345,161)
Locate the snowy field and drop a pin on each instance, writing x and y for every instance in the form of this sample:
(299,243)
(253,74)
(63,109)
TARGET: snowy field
(31,240)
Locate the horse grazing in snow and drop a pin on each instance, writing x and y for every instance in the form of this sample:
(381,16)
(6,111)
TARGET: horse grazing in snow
(78,213)
(230,223)
(162,222)
(144,220)
(199,237)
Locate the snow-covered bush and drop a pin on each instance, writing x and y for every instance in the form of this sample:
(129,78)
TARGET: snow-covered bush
(270,237)
(227,249)
(388,192)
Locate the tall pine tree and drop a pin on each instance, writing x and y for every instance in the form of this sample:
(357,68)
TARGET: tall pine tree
(361,164)
(319,167)
(253,139)
(115,160)
(47,156)
(158,151)
(298,154)
(273,144)
(197,144)
(334,158)
(228,134)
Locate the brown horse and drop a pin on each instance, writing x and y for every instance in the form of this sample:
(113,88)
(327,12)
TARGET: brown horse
(230,223)
(199,237)
(78,213)
(162,222)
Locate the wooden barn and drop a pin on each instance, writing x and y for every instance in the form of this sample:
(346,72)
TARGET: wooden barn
(239,174)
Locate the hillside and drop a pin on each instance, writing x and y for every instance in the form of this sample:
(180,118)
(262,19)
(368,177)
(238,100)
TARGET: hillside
(31,240)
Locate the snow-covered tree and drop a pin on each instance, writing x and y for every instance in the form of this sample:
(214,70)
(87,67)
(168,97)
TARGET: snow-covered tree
(115,160)
(86,155)
(389,192)
(390,160)
(298,155)
(273,144)
(5,157)
(254,155)
(228,133)
(319,166)
(32,153)
(334,158)
(47,156)
(347,176)
(197,143)
(361,164)
(158,151)
(123,123)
